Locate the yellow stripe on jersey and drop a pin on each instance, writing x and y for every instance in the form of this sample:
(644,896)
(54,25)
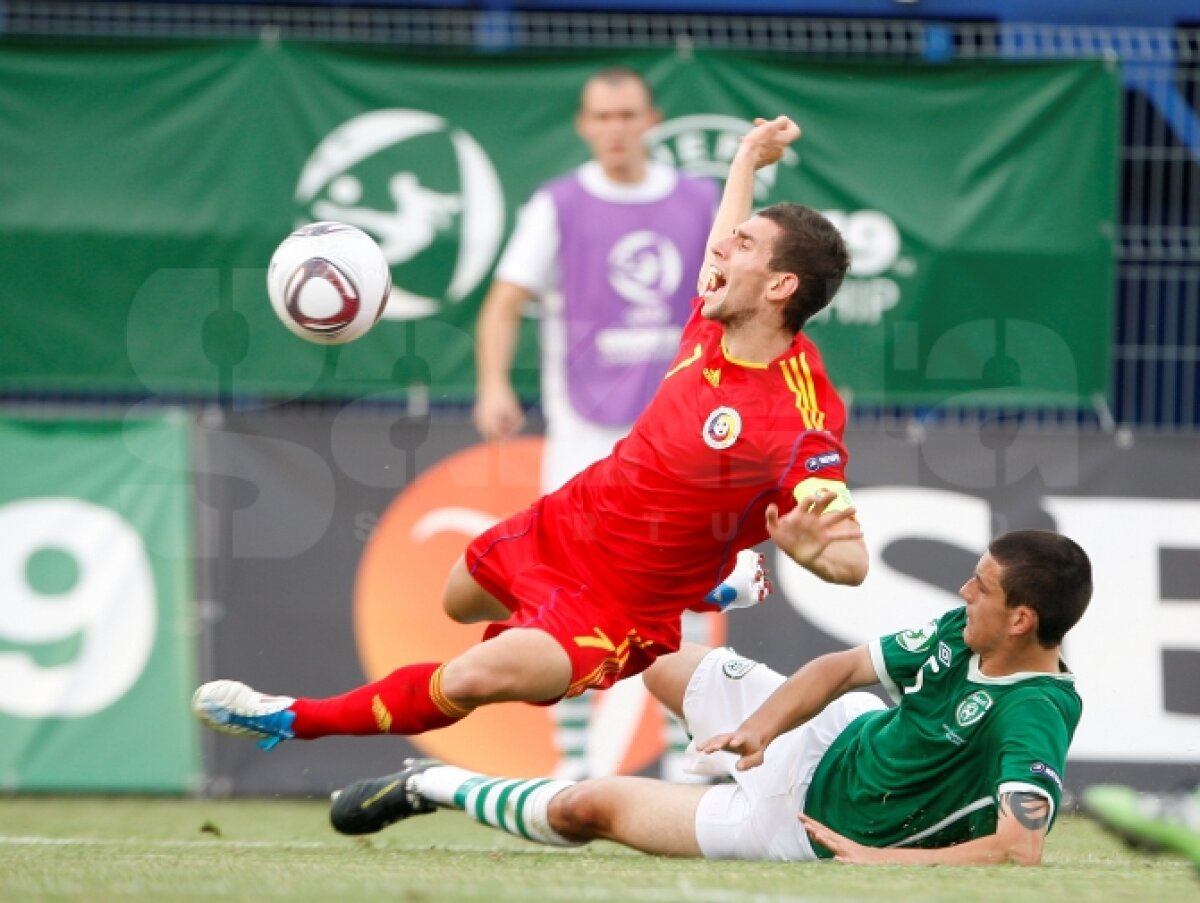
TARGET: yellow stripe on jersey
(696,352)
(818,414)
(795,387)
(798,377)
(805,489)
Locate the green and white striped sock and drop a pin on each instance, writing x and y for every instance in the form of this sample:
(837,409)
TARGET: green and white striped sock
(520,807)
(571,718)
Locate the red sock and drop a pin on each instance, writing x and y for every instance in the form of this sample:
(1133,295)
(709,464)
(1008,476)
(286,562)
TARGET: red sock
(407,701)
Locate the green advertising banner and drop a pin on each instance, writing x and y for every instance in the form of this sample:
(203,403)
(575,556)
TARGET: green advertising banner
(96,651)
(145,187)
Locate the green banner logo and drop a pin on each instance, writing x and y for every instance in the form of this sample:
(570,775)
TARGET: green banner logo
(423,188)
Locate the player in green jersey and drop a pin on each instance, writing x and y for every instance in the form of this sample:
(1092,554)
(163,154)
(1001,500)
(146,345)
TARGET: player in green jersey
(966,768)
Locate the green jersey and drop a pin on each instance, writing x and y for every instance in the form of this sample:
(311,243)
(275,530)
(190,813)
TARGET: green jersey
(930,771)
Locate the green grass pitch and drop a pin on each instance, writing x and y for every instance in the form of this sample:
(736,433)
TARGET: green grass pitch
(101,849)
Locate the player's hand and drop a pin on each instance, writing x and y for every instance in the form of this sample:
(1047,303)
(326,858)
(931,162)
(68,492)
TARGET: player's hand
(769,138)
(497,413)
(807,530)
(749,746)
(843,849)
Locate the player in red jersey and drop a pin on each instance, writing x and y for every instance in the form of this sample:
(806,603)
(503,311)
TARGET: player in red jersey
(743,441)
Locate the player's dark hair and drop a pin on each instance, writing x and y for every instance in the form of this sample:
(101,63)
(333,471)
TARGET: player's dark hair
(1048,572)
(615,75)
(810,247)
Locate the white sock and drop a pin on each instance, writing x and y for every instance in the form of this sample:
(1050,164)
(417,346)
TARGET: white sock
(519,807)
(438,784)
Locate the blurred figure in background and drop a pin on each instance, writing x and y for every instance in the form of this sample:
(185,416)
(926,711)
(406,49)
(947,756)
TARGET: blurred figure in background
(1149,821)
(610,249)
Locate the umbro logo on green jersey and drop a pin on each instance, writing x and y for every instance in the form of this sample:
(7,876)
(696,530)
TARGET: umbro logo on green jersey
(944,654)
(973,708)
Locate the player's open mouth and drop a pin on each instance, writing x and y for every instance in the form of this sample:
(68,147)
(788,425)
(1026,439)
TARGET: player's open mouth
(716,280)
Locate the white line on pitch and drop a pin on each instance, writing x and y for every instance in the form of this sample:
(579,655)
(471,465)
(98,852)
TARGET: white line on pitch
(10,840)
(36,841)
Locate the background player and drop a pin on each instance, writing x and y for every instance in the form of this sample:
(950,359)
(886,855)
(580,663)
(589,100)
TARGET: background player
(609,248)
(966,769)
(1150,822)
(587,586)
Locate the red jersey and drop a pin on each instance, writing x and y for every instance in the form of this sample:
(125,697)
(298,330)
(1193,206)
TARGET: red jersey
(654,526)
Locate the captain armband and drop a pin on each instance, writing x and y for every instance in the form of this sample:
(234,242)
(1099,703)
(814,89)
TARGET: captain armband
(805,489)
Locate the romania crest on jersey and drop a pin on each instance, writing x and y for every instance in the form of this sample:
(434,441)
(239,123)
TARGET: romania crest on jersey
(722,428)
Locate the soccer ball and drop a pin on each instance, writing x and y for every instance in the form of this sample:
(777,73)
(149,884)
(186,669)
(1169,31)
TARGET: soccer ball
(328,282)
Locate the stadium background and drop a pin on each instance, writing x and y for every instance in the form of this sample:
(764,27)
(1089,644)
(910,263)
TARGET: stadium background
(187,492)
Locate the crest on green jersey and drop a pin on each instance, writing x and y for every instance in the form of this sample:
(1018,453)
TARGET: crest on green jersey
(917,640)
(973,708)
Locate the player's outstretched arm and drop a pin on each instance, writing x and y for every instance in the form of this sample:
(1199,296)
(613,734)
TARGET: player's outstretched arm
(794,702)
(761,146)
(827,543)
(1021,827)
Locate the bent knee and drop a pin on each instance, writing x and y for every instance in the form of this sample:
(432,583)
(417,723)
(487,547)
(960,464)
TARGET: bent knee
(583,812)
(472,684)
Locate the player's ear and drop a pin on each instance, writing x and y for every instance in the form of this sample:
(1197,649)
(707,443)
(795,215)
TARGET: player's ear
(1024,621)
(783,285)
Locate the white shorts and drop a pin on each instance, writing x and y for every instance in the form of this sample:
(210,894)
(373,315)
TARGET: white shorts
(756,816)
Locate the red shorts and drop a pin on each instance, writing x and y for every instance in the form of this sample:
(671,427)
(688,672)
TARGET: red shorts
(604,643)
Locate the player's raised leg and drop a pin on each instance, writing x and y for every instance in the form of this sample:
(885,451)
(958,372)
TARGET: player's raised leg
(518,665)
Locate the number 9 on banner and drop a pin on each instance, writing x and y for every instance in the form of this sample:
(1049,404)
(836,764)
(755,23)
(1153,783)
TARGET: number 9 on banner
(103,602)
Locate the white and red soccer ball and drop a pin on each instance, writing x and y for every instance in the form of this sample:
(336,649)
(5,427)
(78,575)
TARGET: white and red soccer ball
(328,282)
